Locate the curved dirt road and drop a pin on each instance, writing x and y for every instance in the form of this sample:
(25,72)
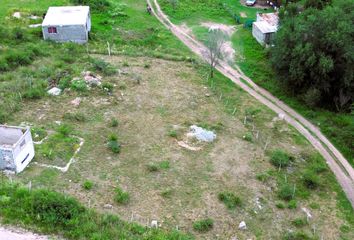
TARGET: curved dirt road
(343,171)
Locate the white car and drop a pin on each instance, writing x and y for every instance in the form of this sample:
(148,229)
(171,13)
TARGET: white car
(250,2)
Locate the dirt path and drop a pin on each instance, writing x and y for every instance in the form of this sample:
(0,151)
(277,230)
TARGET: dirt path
(19,234)
(343,171)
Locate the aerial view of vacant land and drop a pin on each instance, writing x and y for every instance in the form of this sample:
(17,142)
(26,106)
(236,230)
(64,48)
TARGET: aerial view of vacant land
(161,119)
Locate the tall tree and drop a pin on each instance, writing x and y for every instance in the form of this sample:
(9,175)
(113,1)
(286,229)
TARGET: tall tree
(313,55)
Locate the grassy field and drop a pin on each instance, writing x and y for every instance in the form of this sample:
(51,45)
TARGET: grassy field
(259,169)
(253,60)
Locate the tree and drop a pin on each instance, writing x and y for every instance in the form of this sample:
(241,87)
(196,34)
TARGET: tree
(174,4)
(313,55)
(318,4)
(215,40)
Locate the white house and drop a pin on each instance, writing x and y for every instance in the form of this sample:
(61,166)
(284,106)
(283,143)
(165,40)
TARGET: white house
(67,24)
(16,148)
(265,27)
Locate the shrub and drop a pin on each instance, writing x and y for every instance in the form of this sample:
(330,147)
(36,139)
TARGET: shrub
(77,116)
(152,167)
(166,193)
(35,92)
(296,236)
(96,5)
(310,179)
(107,87)
(164,165)
(64,129)
(292,204)
(113,137)
(229,199)
(280,205)
(79,85)
(286,192)
(280,158)
(299,222)
(121,196)
(114,146)
(172,133)
(248,137)
(203,225)
(103,67)
(114,123)
(87,185)
(263,177)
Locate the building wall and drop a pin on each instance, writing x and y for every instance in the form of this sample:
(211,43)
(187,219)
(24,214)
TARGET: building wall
(258,35)
(75,33)
(7,160)
(18,157)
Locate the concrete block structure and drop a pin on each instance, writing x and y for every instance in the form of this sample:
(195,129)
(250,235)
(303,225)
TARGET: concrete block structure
(67,24)
(16,148)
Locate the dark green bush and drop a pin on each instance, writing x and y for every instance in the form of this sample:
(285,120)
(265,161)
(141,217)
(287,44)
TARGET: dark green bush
(299,222)
(114,123)
(280,158)
(34,92)
(64,129)
(229,199)
(203,225)
(79,85)
(114,146)
(103,67)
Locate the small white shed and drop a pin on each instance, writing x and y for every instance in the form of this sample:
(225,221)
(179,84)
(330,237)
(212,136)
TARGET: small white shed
(265,27)
(67,24)
(16,148)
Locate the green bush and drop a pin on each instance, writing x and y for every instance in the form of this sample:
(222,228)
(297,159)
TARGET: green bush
(79,85)
(35,92)
(286,192)
(310,179)
(103,67)
(64,129)
(248,137)
(114,146)
(172,133)
(107,87)
(296,236)
(152,167)
(113,137)
(280,158)
(230,200)
(299,222)
(280,205)
(121,196)
(87,185)
(114,123)
(96,5)
(203,225)
(292,204)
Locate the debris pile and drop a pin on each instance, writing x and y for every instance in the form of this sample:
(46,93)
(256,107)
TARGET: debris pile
(91,79)
(54,91)
(201,134)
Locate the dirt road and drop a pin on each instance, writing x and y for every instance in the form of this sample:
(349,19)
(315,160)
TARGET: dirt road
(19,234)
(343,171)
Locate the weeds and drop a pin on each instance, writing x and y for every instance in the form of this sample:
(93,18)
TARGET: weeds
(310,179)
(172,133)
(286,192)
(103,67)
(77,116)
(299,222)
(79,85)
(113,144)
(203,225)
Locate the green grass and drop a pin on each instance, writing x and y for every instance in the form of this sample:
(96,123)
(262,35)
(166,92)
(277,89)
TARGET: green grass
(121,197)
(55,213)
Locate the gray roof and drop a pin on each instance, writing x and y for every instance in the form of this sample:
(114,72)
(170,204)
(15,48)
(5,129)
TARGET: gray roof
(69,15)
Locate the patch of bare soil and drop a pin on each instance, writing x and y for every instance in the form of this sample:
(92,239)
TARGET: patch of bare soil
(227,29)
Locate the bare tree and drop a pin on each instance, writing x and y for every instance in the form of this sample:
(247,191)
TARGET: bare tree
(215,40)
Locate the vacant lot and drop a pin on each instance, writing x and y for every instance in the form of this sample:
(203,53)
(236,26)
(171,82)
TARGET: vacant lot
(153,98)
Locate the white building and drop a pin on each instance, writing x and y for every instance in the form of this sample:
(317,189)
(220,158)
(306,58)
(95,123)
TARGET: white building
(265,27)
(16,148)
(67,24)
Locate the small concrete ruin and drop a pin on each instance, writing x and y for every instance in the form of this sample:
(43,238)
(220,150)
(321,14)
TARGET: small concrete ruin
(16,148)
